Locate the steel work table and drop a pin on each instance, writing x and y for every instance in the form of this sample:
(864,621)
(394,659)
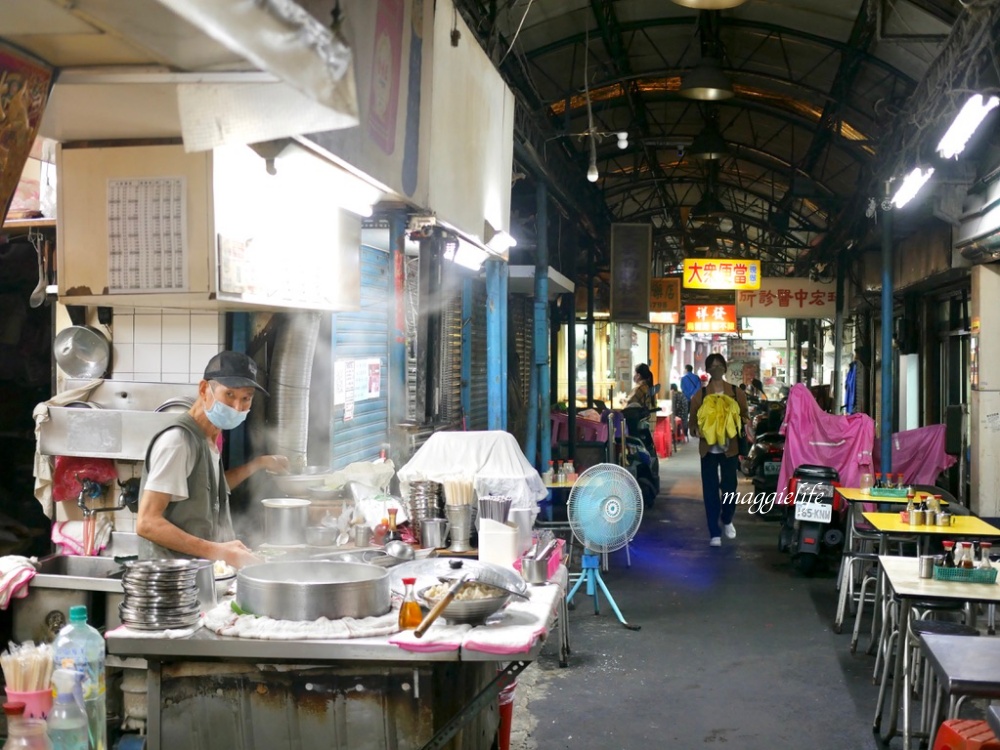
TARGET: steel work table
(227,692)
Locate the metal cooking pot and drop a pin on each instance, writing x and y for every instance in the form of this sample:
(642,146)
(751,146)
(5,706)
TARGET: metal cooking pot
(285,520)
(82,352)
(293,591)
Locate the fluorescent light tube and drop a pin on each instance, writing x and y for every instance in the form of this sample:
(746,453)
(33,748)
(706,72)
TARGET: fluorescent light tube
(911,186)
(964,125)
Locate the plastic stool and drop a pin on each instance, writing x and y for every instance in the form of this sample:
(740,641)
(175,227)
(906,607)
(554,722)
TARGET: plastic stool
(965,734)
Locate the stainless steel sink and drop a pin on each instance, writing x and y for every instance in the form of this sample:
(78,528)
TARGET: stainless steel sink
(95,572)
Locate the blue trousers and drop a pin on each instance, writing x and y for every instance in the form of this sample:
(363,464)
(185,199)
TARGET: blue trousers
(718,476)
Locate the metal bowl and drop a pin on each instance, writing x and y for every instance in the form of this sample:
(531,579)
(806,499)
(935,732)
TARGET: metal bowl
(466,610)
(82,352)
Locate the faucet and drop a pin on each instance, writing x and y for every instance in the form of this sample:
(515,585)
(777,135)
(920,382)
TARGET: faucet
(93,490)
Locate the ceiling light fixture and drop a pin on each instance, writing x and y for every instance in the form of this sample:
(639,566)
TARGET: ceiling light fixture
(710,4)
(623,140)
(707,82)
(708,207)
(911,186)
(968,119)
(708,144)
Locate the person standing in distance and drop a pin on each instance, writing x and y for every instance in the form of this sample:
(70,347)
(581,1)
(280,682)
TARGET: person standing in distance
(690,383)
(184,490)
(716,403)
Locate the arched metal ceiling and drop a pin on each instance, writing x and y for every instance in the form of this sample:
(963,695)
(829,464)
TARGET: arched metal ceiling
(816,87)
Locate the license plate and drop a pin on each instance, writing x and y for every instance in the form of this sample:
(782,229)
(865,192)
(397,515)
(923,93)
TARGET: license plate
(817,512)
(771,468)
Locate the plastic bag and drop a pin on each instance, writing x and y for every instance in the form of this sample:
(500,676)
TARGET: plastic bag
(376,475)
(66,484)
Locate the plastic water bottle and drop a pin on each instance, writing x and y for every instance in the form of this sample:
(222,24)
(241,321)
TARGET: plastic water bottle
(68,726)
(80,648)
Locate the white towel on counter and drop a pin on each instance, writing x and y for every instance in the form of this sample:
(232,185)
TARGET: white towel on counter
(15,572)
(222,620)
(67,536)
(123,631)
(44,464)
(439,637)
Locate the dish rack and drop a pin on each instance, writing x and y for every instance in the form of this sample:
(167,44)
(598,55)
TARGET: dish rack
(965,575)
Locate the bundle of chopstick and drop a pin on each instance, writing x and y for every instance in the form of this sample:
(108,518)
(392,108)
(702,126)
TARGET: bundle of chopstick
(494,507)
(458,492)
(27,667)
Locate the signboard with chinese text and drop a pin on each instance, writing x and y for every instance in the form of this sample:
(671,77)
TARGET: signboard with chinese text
(710,318)
(788,298)
(665,295)
(721,273)
(631,264)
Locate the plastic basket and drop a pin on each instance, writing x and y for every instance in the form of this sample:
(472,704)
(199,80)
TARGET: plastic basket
(555,558)
(887,492)
(965,575)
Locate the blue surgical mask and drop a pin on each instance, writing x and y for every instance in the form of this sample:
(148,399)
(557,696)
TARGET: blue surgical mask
(224,416)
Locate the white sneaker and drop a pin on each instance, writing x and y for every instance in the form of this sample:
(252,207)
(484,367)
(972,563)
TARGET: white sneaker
(715,541)
(729,530)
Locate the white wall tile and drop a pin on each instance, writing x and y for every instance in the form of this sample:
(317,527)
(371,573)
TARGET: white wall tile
(201,353)
(124,374)
(176,358)
(205,328)
(194,377)
(147,377)
(177,329)
(124,520)
(124,357)
(148,329)
(175,377)
(122,328)
(148,358)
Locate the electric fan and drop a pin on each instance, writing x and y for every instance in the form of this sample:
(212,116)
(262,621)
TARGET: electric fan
(604,509)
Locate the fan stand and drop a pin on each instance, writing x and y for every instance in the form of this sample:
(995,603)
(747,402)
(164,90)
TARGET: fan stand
(591,574)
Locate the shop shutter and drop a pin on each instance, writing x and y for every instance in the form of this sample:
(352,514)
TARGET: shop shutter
(521,327)
(450,410)
(478,418)
(364,336)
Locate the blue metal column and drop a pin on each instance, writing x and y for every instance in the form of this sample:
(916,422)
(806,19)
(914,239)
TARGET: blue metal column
(397,340)
(888,391)
(494,362)
(504,317)
(467,299)
(540,368)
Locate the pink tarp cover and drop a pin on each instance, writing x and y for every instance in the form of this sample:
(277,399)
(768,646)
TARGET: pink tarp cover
(918,454)
(814,437)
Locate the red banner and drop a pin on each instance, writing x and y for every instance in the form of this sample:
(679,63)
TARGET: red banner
(710,318)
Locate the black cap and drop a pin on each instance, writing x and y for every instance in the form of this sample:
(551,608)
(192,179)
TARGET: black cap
(233,369)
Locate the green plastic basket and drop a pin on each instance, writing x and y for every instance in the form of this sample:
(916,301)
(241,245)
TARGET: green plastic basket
(965,575)
(886,492)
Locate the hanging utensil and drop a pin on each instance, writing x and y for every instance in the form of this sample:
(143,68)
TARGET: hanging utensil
(440,606)
(38,294)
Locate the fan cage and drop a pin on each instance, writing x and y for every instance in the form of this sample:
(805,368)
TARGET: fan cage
(605,508)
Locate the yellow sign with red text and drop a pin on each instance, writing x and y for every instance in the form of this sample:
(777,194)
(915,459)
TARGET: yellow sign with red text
(710,318)
(721,273)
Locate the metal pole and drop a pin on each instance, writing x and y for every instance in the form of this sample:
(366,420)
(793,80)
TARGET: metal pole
(494,361)
(504,297)
(838,338)
(541,338)
(887,361)
(571,375)
(591,272)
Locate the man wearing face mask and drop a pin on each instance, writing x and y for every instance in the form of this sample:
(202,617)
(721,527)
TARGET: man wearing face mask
(184,490)
(722,409)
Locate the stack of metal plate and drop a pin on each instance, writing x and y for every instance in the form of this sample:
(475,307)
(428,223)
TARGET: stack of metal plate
(424,501)
(161,594)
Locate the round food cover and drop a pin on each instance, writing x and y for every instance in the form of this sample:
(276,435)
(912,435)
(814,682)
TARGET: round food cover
(431,571)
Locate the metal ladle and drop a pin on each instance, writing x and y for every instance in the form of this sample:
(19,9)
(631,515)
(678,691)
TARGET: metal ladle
(399,550)
(38,294)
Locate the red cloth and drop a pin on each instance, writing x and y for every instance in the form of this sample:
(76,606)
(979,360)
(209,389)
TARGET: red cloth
(814,437)
(918,454)
(66,486)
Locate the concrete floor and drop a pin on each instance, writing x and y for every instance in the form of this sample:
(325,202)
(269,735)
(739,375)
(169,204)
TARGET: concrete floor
(735,648)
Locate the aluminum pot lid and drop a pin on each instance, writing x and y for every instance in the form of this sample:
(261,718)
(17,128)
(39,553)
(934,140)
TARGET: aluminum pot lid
(82,352)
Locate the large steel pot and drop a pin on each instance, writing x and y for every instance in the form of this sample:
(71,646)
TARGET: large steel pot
(308,591)
(285,520)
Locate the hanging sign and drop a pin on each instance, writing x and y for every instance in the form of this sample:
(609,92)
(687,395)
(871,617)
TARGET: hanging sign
(665,295)
(710,318)
(631,262)
(721,273)
(789,298)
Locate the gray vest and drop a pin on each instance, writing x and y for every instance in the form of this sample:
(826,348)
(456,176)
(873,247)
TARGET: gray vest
(205,512)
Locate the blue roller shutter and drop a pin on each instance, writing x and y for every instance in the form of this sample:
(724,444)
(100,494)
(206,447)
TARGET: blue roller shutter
(359,337)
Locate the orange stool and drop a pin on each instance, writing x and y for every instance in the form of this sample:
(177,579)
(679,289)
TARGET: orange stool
(965,734)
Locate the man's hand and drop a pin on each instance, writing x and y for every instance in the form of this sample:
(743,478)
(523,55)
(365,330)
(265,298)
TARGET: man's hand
(275,464)
(237,554)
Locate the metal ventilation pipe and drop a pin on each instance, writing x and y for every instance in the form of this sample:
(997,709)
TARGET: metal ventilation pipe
(289,381)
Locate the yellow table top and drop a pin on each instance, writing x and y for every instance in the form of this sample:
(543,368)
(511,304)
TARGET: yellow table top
(889,523)
(855,495)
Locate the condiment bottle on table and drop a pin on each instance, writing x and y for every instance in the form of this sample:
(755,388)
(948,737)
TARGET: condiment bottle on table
(393,534)
(409,612)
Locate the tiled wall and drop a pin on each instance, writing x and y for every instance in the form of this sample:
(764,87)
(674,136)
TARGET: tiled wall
(164,347)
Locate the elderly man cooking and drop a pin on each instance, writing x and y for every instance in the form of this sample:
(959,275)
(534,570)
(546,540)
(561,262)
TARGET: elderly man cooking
(184,491)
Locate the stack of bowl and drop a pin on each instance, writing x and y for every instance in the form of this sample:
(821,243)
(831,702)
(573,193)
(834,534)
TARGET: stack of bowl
(424,501)
(162,594)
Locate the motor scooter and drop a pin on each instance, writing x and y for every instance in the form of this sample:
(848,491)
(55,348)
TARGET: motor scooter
(814,518)
(640,453)
(762,463)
